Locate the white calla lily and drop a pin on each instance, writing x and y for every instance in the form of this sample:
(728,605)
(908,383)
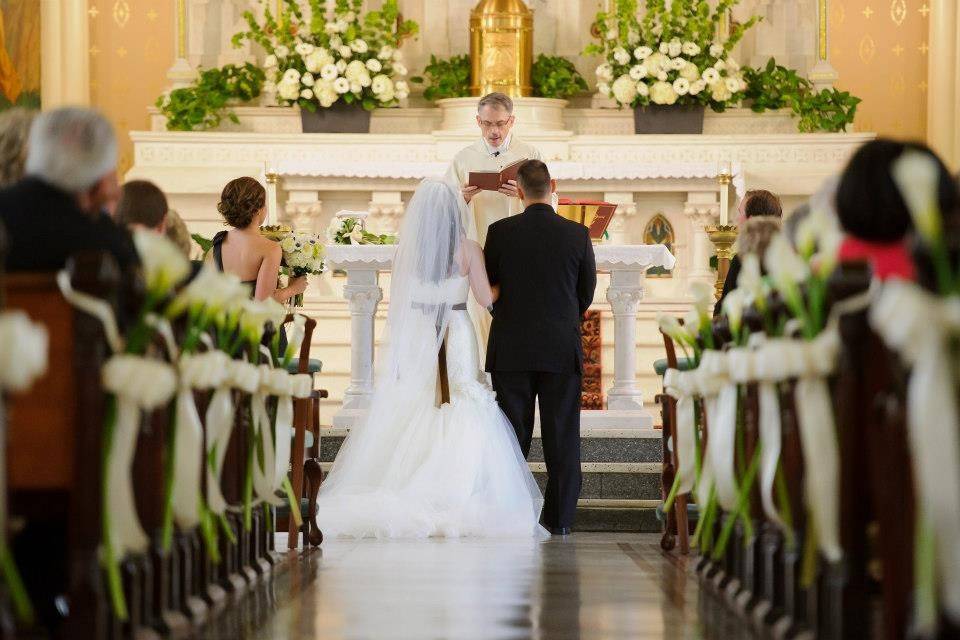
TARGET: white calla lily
(164,265)
(784,265)
(734,305)
(917,177)
(703,295)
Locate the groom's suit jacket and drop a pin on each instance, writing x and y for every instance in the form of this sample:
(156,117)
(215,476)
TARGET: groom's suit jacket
(547,274)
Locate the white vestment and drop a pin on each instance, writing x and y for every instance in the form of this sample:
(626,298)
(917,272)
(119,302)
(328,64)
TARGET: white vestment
(487,206)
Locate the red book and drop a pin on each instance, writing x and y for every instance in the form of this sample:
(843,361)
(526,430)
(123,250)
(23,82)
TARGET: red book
(592,214)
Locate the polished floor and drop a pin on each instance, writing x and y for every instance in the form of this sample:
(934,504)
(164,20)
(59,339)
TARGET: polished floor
(585,586)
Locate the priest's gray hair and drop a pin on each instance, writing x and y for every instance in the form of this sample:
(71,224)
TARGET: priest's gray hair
(71,148)
(496,100)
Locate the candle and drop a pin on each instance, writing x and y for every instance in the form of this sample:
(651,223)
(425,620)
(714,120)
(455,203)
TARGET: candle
(724,213)
(271,178)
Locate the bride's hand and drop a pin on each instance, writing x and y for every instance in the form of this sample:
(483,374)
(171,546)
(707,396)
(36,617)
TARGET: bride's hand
(297,285)
(496,292)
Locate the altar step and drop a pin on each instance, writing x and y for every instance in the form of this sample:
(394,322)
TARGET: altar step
(621,475)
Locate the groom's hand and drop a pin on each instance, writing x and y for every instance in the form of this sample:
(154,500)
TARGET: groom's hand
(509,188)
(468,192)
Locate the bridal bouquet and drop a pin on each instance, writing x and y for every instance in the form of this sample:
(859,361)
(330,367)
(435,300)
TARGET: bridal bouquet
(672,55)
(302,256)
(344,55)
(349,230)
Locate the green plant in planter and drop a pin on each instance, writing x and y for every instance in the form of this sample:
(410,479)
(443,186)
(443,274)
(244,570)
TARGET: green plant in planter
(204,104)
(445,77)
(556,77)
(777,87)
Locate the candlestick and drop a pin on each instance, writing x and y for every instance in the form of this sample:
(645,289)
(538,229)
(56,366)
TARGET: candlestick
(272,179)
(722,237)
(724,179)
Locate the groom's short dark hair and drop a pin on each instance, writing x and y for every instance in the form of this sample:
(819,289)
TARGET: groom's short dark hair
(534,178)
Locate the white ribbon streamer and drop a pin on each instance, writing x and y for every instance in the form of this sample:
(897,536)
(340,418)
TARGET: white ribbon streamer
(24,347)
(919,326)
(678,387)
(722,414)
(765,365)
(139,384)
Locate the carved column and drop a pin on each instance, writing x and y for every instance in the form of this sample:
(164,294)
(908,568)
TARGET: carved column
(626,211)
(303,216)
(386,210)
(364,294)
(182,72)
(624,295)
(701,208)
(823,75)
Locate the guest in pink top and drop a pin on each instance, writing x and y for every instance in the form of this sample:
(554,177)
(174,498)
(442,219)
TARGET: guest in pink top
(874,215)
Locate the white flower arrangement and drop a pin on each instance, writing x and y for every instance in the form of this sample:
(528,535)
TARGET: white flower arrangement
(679,60)
(348,229)
(317,63)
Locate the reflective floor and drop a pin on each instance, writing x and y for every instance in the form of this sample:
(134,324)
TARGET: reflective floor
(581,587)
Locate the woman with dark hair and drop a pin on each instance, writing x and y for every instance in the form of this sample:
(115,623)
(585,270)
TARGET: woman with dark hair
(759,219)
(873,214)
(243,250)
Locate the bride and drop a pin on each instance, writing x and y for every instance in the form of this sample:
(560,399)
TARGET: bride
(434,455)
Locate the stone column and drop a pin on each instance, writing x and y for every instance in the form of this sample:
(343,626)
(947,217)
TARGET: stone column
(181,73)
(364,294)
(624,295)
(386,210)
(823,75)
(943,112)
(701,208)
(626,211)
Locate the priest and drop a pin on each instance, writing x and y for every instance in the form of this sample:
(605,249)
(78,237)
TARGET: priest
(496,149)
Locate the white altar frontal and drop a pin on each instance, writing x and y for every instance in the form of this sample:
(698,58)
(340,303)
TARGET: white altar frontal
(665,185)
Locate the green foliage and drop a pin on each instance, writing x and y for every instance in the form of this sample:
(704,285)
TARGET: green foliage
(342,234)
(556,77)
(445,77)
(205,244)
(203,105)
(777,87)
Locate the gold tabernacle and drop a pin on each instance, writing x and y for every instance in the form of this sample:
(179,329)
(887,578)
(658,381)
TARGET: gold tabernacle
(594,215)
(501,48)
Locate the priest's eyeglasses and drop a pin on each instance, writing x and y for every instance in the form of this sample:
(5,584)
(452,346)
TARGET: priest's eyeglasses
(496,125)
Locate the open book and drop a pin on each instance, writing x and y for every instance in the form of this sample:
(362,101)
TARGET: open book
(493,180)
(596,216)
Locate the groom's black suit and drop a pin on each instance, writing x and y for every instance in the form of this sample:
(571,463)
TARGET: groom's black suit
(545,267)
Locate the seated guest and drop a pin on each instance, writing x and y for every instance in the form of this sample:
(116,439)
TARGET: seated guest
(243,250)
(177,232)
(14,129)
(759,220)
(873,214)
(142,205)
(62,204)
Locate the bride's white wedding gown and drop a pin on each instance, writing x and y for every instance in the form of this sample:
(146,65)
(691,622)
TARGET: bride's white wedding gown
(413,469)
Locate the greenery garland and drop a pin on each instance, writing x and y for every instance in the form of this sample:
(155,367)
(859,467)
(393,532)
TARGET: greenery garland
(205,103)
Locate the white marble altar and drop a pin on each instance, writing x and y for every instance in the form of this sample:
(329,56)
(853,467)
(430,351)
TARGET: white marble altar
(626,264)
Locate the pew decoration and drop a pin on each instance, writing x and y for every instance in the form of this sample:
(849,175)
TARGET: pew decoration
(24,354)
(204,337)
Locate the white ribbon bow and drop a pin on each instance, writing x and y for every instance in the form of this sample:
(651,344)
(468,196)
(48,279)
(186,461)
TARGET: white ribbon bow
(919,326)
(722,416)
(139,384)
(765,366)
(680,386)
(23,351)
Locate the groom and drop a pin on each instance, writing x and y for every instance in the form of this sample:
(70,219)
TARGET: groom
(545,268)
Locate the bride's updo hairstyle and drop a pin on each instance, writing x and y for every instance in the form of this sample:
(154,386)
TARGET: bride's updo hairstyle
(240,201)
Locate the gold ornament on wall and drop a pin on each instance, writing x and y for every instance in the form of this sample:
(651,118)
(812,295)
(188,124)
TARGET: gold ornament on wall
(898,11)
(867,49)
(121,13)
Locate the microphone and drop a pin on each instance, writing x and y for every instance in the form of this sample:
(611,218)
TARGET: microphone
(496,153)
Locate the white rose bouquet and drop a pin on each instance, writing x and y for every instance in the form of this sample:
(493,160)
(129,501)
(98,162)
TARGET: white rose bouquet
(336,55)
(302,256)
(670,56)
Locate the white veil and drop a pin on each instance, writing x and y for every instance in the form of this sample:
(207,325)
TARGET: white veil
(425,284)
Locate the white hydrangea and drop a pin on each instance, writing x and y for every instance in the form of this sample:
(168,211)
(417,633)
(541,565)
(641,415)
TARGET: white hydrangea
(716,50)
(304,49)
(355,69)
(690,72)
(307,79)
(603,89)
(400,69)
(690,48)
(662,76)
(270,61)
(341,85)
(288,90)
(624,89)
(633,37)
(663,93)
(719,65)
(675,48)
(643,89)
(613,34)
(733,65)
(678,64)
(365,80)
(397,55)
(356,87)
(711,75)
(664,48)
(657,30)
(341,66)
(330,28)
(733,85)
(386,53)
(307,94)
(621,55)
(657,62)
(359,45)
(605,72)
(329,72)
(325,93)
(317,60)
(345,51)
(291,75)
(403,90)
(638,72)
(342,26)
(374,65)
(642,53)
(282,51)
(697,86)
(381,85)
(719,91)
(335,43)
(350,16)
(681,86)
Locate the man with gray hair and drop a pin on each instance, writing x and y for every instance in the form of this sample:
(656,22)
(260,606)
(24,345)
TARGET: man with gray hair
(496,149)
(62,205)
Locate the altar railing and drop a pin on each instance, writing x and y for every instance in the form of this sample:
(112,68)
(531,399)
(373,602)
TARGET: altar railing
(626,264)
